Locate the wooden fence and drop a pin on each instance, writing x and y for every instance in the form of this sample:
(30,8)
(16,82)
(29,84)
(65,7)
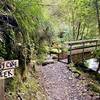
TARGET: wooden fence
(81,47)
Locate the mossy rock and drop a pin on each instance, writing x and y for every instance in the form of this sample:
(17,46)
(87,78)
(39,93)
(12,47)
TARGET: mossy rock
(55,51)
(94,87)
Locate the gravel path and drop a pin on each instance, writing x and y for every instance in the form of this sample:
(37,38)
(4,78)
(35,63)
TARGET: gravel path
(60,84)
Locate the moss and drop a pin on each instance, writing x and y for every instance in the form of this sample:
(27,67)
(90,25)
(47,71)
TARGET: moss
(94,87)
(92,77)
(28,90)
(55,51)
(41,58)
(96,53)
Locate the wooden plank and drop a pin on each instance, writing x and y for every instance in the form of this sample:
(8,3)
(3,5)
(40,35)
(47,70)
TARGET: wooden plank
(81,47)
(77,51)
(82,41)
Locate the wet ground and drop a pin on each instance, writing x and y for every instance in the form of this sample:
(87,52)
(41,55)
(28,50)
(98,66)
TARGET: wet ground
(61,84)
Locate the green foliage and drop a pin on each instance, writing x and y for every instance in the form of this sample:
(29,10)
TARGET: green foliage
(96,53)
(42,53)
(32,30)
(2,50)
(40,22)
(94,87)
(76,17)
(29,89)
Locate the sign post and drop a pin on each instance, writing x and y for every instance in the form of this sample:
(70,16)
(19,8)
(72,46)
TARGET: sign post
(6,71)
(1,84)
(2,89)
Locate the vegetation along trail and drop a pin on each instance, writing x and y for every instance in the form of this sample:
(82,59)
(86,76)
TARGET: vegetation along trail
(31,31)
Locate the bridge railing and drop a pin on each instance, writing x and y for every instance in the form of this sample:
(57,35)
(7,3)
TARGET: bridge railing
(82,46)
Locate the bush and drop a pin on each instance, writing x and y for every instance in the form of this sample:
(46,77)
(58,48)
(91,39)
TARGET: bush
(96,53)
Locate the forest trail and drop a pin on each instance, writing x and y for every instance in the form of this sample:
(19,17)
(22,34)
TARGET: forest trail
(60,83)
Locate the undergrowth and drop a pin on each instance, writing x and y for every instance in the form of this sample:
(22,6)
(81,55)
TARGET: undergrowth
(93,78)
(27,90)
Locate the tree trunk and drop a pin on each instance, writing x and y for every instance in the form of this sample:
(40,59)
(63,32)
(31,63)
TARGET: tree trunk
(73,25)
(98,19)
(82,32)
(78,30)
(97,14)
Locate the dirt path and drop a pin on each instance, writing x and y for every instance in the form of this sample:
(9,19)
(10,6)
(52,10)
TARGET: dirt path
(60,84)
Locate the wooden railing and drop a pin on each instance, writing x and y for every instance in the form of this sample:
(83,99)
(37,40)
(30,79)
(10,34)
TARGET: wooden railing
(82,46)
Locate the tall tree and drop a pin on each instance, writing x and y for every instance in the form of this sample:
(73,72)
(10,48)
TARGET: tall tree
(98,15)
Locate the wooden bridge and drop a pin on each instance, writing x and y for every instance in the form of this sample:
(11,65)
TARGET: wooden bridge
(78,51)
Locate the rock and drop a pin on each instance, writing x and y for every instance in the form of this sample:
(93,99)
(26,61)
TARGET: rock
(40,96)
(47,62)
(77,75)
(70,78)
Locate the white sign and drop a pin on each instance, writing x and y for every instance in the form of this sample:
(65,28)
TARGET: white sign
(7,68)
(9,64)
(6,73)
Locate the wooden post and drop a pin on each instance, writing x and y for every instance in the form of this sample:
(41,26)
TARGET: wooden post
(70,54)
(2,89)
(83,53)
(96,45)
(58,53)
(2,97)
